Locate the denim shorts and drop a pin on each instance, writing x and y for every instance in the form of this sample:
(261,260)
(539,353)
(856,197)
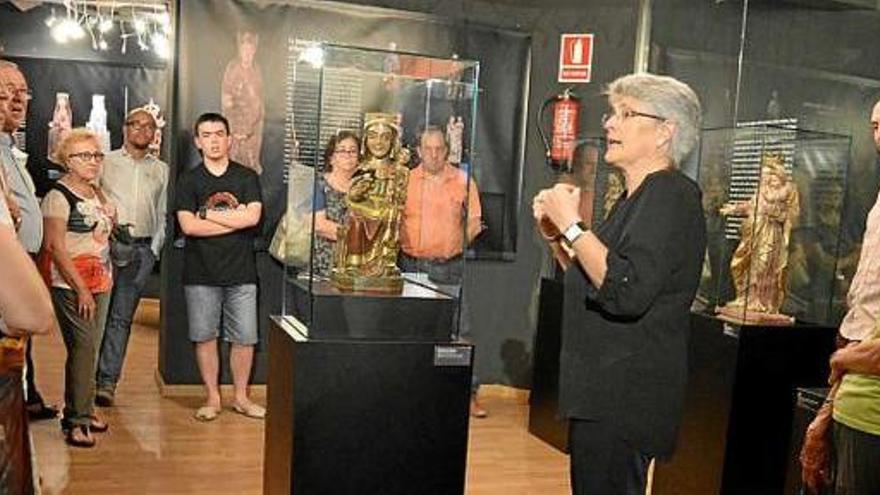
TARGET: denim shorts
(235,305)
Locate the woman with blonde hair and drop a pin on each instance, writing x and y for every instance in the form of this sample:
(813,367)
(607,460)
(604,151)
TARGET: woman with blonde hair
(77,223)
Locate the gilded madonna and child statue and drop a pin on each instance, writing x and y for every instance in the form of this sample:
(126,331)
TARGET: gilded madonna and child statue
(365,256)
(759,264)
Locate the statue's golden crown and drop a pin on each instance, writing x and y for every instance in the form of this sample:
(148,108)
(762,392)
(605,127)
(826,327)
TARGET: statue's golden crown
(774,163)
(373,118)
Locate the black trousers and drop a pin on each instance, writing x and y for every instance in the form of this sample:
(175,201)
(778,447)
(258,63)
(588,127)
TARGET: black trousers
(602,462)
(33,396)
(857,461)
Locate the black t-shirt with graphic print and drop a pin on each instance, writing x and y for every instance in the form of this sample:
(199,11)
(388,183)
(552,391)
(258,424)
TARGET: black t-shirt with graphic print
(227,259)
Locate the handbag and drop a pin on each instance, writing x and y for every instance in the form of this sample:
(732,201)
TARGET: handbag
(121,241)
(121,245)
(292,242)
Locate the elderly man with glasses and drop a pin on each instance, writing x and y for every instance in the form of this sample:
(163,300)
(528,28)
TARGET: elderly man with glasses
(29,221)
(136,181)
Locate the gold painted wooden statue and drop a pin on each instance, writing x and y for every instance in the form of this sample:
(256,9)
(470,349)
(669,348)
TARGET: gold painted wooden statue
(365,256)
(760,261)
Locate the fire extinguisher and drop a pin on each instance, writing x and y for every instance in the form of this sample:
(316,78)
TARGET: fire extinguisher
(563,133)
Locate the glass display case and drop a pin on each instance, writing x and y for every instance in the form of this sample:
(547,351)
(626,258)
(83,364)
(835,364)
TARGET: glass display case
(773,199)
(600,183)
(381,204)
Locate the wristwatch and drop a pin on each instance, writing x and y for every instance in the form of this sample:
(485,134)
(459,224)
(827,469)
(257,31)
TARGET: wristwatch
(203,212)
(573,232)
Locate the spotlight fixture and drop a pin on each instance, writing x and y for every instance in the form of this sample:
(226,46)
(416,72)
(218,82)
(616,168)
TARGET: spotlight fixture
(67,30)
(165,21)
(147,20)
(160,45)
(105,25)
(313,55)
(51,20)
(139,24)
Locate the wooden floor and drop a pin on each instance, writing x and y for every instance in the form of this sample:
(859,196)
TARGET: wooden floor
(154,445)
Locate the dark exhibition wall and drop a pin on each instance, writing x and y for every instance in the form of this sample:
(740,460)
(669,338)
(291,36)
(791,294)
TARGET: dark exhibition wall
(501,294)
(208,42)
(125,80)
(122,87)
(207,46)
(797,65)
(799,58)
(508,37)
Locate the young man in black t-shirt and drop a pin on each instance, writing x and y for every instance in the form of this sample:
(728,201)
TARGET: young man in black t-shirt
(218,208)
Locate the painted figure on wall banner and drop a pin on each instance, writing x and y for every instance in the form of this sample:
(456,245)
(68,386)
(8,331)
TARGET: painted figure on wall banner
(242,102)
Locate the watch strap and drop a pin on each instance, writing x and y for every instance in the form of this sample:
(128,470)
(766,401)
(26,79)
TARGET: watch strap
(574,231)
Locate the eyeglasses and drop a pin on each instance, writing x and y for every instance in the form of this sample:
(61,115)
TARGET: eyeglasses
(19,92)
(139,126)
(88,156)
(627,114)
(346,152)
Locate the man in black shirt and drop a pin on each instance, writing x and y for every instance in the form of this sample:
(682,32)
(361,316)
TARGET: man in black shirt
(218,208)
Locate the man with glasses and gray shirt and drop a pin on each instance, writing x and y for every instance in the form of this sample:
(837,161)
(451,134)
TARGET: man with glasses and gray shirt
(29,226)
(137,182)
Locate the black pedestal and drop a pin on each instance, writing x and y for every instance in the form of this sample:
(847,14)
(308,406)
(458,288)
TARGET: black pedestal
(738,408)
(363,416)
(544,420)
(417,314)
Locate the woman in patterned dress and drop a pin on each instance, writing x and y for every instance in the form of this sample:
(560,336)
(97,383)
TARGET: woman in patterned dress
(341,162)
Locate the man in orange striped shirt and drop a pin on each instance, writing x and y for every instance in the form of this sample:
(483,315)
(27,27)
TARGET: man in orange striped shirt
(441,217)
(442,206)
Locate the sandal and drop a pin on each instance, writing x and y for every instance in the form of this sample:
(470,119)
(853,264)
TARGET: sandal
(40,410)
(98,426)
(79,436)
(250,410)
(207,413)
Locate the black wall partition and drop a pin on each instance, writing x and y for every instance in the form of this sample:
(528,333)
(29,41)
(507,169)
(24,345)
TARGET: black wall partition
(503,296)
(517,44)
(123,88)
(209,35)
(126,80)
(785,65)
(208,42)
(797,62)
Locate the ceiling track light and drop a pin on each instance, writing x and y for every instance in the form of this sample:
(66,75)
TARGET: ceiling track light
(150,23)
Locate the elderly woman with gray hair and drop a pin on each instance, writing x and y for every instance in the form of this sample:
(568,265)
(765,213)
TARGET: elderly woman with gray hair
(628,289)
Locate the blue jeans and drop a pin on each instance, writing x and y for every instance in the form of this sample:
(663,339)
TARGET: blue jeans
(128,283)
(234,307)
(449,276)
